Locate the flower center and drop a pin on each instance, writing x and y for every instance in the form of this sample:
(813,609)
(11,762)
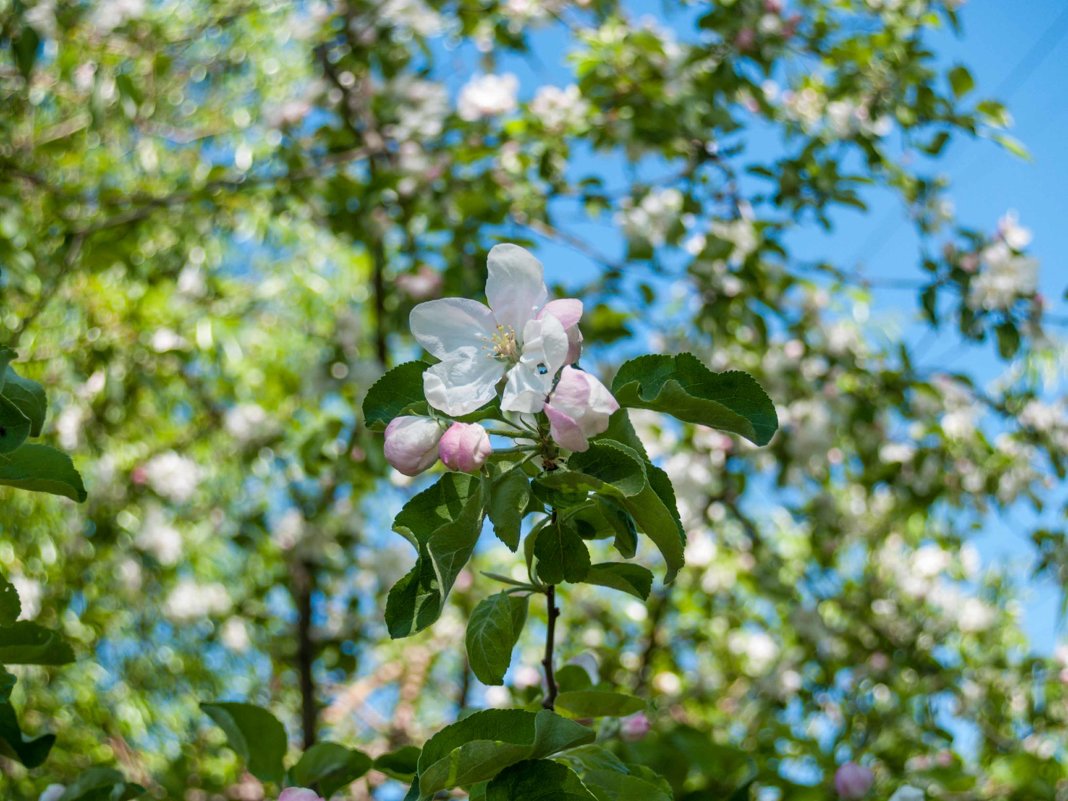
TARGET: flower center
(502,346)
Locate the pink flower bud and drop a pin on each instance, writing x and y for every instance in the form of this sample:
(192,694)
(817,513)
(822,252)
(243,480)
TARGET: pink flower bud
(773,6)
(412,443)
(578,408)
(853,781)
(299,794)
(568,311)
(465,447)
(745,39)
(634,727)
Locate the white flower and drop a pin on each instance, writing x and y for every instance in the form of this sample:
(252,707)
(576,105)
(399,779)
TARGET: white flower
(414,15)
(190,600)
(907,793)
(1014,235)
(172,476)
(559,109)
(110,14)
(520,337)
(487,96)
(652,218)
(246,422)
(1003,277)
(52,792)
(29,592)
(234,634)
(741,234)
(160,538)
(421,110)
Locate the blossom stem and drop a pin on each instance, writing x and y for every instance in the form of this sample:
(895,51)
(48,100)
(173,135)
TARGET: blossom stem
(553,612)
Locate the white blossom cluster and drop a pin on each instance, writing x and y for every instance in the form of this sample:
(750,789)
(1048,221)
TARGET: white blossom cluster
(1003,274)
(192,600)
(652,217)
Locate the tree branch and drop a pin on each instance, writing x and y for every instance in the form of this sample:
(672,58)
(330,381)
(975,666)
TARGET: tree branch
(552,612)
(302,594)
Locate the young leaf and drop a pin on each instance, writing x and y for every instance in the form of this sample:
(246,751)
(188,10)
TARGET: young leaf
(255,735)
(598,704)
(684,388)
(610,779)
(401,764)
(42,469)
(479,747)
(13,743)
(443,523)
(538,780)
(330,767)
(29,397)
(14,426)
(399,391)
(26,643)
(633,579)
(561,554)
(10,606)
(492,632)
(509,496)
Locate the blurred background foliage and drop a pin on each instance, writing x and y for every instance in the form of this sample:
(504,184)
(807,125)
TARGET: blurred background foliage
(214,220)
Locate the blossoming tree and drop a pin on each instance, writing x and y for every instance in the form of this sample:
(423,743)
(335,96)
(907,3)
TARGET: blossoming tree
(223,223)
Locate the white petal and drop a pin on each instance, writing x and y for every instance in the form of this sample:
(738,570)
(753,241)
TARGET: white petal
(516,285)
(545,342)
(463,383)
(526,389)
(445,326)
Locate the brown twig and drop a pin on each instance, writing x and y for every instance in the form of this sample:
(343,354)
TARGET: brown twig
(552,613)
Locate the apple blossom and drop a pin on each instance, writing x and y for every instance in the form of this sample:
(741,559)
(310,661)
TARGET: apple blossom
(412,443)
(487,96)
(634,727)
(578,409)
(465,447)
(853,781)
(299,794)
(519,336)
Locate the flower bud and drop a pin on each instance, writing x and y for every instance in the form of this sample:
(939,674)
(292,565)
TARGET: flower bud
(853,781)
(299,794)
(578,408)
(465,447)
(634,727)
(412,443)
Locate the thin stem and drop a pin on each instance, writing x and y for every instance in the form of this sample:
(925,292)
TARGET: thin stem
(309,708)
(553,612)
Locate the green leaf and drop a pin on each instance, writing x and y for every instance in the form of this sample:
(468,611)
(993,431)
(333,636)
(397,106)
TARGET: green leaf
(598,704)
(7,355)
(961,80)
(443,523)
(633,579)
(10,606)
(25,46)
(640,488)
(573,677)
(101,784)
(399,391)
(1014,146)
(509,496)
(684,388)
(14,426)
(330,767)
(561,554)
(26,643)
(42,469)
(31,752)
(492,632)
(401,764)
(29,397)
(255,735)
(479,747)
(538,780)
(610,779)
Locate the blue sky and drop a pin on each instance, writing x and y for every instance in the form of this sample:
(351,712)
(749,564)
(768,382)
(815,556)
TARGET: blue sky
(1017,53)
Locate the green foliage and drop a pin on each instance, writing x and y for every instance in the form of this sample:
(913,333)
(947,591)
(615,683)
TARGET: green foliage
(479,747)
(26,643)
(255,735)
(443,523)
(31,752)
(537,780)
(598,703)
(398,392)
(493,629)
(684,388)
(330,767)
(508,501)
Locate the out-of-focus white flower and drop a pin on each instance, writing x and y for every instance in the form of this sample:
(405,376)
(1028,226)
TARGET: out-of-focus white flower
(488,96)
(1003,277)
(411,15)
(652,217)
(741,234)
(289,529)
(159,538)
(1012,233)
(166,339)
(559,109)
(907,793)
(974,616)
(757,648)
(52,792)
(110,14)
(421,108)
(69,426)
(234,634)
(172,476)
(423,284)
(246,422)
(29,592)
(190,600)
